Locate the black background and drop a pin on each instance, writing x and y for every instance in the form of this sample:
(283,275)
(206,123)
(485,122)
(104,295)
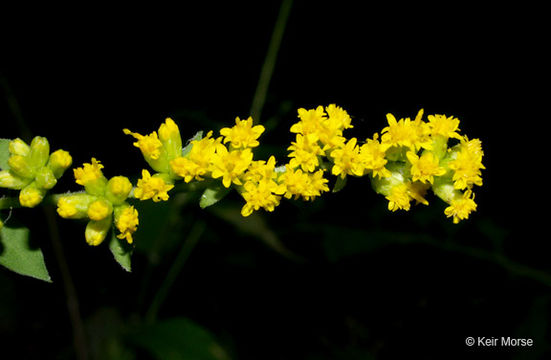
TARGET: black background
(81,74)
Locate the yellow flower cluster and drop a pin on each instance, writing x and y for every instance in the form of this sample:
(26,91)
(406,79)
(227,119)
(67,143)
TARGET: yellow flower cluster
(33,170)
(103,201)
(405,160)
(420,158)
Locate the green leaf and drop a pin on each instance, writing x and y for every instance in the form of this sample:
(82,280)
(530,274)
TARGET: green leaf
(212,195)
(4,153)
(188,146)
(178,339)
(122,251)
(17,254)
(340,183)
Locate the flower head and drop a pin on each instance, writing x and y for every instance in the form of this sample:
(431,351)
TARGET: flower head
(466,164)
(243,134)
(230,165)
(441,125)
(461,207)
(302,184)
(305,152)
(150,145)
(152,187)
(425,167)
(88,173)
(197,163)
(372,155)
(347,160)
(126,221)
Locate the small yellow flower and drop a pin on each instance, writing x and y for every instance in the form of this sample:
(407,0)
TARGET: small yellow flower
(372,155)
(411,134)
(467,164)
(425,167)
(305,152)
(89,172)
(259,195)
(230,165)
(301,184)
(440,125)
(152,187)
(339,117)
(399,198)
(198,162)
(461,207)
(150,145)
(261,170)
(243,134)
(347,160)
(310,121)
(127,223)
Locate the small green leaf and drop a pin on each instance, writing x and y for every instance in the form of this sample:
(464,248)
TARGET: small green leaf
(122,251)
(340,183)
(188,146)
(178,339)
(212,195)
(18,255)
(4,153)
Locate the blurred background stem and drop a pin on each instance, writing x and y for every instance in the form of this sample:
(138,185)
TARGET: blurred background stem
(187,247)
(269,62)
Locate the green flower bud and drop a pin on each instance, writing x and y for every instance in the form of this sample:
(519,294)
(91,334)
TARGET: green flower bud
(45,178)
(96,231)
(75,206)
(21,166)
(19,147)
(40,152)
(10,181)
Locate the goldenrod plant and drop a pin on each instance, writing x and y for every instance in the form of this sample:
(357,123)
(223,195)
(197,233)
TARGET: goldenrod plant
(402,162)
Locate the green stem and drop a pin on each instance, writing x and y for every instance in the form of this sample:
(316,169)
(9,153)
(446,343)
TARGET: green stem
(269,62)
(187,247)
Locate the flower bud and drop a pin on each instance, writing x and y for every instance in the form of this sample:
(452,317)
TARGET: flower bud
(118,189)
(10,181)
(59,161)
(96,231)
(99,209)
(169,134)
(45,178)
(40,152)
(74,206)
(19,147)
(31,195)
(21,166)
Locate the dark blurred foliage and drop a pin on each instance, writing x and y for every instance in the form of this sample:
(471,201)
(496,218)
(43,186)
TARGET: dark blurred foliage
(339,278)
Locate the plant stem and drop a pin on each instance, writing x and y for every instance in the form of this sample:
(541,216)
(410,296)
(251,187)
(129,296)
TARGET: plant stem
(79,337)
(269,62)
(187,247)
